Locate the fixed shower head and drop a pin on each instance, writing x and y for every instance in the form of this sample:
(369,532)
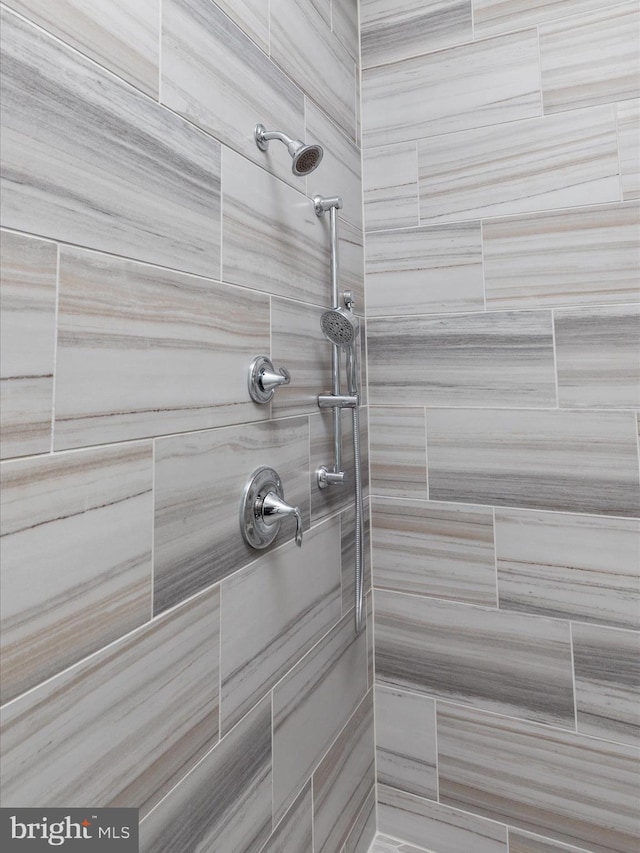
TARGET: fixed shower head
(305,158)
(339,326)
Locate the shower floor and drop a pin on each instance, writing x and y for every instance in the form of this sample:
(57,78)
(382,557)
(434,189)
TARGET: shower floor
(384,844)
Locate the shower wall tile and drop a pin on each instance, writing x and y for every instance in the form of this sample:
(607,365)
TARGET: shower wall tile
(303,45)
(425,270)
(226,799)
(499,661)
(475,84)
(215,76)
(494,359)
(162,679)
(272,239)
(390,186)
(569,461)
(312,704)
(351,260)
(607,667)
(343,780)
(497,16)
(598,357)
(252,16)
(27,342)
(364,829)
(339,172)
(406,742)
(565,786)
(521,842)
(85,587)
(298,344)
(122,36)
(629,140)
(398,452)
(144,351)
(199,480)
(590,59)
(393,30)
(348,555)
(549,162)
(265,630)
(88,160)
(344,24)
(295,831)
(446,830)
(582,256)
(569,566)
(438,550)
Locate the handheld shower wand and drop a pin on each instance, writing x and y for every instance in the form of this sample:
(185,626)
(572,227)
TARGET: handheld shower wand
(305,158)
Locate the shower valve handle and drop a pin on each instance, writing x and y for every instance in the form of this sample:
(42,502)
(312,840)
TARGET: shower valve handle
(272,508)
(263,508)
(263,379)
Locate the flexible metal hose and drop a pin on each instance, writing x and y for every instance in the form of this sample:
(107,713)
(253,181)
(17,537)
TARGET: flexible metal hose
(359,525)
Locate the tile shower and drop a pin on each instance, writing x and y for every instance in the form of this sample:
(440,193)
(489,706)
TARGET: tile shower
(150,251)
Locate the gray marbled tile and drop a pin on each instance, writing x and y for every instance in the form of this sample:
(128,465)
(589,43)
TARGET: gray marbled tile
(493,359)
(598,357)
(384,844)
(548,162)
(434,549)
(311,705)
(555,460)
(343,780)
(390,186)
(272,239)
(294,833)
(398,452)
(302,44)
(214,75)
(522,842)
(364,828)
(497,16)
(252,16)
(69,585)
(138,347)
(298,344)
(344,25)
(590,59)
(607,667)
(629,141)
(393,30)
(162,679)
(348,551)
(425,270)
(562,785)
(442,828)
(406,742)
(122,36)
(583,256)
(88,160)
(341,169)
(475,84)
(265,630)
(351,264)
(499,661)
(199,481)
(569,566)
(224,803)
(27,343)
(370,641)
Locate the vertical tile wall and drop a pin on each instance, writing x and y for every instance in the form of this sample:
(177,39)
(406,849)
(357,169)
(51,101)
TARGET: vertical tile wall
(150,251)
(500,176)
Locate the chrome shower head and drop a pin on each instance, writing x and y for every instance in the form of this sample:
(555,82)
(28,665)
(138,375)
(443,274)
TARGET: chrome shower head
(340,327)
(305,158)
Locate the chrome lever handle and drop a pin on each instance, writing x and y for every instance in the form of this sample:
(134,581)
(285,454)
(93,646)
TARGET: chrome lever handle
(268,380)
(263,379)
(272,508)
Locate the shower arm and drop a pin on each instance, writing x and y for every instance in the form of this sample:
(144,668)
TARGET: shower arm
(336,477)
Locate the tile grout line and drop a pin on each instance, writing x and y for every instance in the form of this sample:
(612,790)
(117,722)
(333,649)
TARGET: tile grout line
(160,52)
(153,526)
(573,679)
(56,313)
(435,726)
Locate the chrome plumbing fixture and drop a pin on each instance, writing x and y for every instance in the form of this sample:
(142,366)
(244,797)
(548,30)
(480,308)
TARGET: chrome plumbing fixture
(263,509)
(305,158)
(263,379)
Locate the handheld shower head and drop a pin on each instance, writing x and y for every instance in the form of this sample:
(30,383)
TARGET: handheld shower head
(340,327)
(305,158)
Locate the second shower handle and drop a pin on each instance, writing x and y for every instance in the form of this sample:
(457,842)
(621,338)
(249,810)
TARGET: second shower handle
(263,379)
